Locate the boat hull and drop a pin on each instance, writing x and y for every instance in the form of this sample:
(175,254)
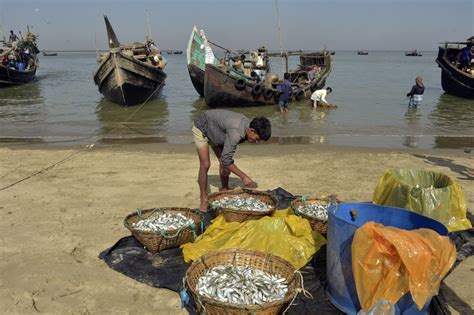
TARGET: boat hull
(453,80)
(220,89)
(126,81)
(197,78)
(9,77)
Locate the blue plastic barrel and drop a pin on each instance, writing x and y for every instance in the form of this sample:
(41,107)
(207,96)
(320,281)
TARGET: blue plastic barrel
(342,225)
(21,66)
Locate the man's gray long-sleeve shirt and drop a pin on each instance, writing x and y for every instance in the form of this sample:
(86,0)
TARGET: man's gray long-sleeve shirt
(224,129)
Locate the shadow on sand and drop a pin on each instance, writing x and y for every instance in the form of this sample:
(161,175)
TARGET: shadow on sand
(457,168)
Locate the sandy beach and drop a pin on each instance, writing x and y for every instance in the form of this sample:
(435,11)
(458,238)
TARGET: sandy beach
(55,222)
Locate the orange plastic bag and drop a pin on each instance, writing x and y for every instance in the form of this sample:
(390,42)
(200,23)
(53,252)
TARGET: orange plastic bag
(388,262)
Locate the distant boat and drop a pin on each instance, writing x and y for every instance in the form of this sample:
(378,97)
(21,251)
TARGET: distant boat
(49,54)
(332,52)
(177,52)
(21,69)
(363,52)
(415,53)
(198,53)
(453,79)
(129,74)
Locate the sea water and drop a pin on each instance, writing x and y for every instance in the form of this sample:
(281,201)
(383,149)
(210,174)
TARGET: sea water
(370,92)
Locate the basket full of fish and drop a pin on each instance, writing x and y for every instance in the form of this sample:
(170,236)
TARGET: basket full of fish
(315,210)
(236,281)
(241,205)
(161,228)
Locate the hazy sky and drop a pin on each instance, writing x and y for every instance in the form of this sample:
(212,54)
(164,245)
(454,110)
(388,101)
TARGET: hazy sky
(305,24)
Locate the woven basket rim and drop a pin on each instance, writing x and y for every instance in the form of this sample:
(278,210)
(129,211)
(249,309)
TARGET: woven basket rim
(222,194)
(201,260)
(158,210)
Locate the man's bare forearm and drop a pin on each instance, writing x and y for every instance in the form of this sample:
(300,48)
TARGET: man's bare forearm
(234,169)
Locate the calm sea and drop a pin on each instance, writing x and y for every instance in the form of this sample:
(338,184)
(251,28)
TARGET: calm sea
(65,105)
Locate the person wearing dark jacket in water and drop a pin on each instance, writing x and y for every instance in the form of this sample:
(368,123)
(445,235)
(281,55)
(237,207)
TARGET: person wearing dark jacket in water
(416,93)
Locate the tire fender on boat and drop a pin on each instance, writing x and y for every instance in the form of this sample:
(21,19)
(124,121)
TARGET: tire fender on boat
(257,89)
(267,94)
(240,84)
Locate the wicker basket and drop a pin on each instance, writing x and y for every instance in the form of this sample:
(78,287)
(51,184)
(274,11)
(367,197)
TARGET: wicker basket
(156,242)
(232,215)
(240,257)
(316,224)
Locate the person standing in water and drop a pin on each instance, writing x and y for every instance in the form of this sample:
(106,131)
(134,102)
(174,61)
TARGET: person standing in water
(416,93)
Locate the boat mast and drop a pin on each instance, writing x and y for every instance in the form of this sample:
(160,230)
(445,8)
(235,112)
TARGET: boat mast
(148,24)
(281,41)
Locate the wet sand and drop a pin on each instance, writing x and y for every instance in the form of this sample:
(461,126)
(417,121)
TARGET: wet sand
(55,223)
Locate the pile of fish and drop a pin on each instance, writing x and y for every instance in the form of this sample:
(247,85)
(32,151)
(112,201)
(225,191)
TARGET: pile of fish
(241,203)
(164,222)
(241,285)
(317,210)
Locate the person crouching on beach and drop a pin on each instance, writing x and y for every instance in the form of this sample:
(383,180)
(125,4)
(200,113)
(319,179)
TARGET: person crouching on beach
(319,98)
(416,93)
(223,130)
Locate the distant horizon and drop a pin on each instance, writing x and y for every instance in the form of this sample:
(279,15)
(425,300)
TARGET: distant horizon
(339,25)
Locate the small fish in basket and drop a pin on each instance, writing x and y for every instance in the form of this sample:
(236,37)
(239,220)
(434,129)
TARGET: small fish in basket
(161,228)
(164,222)
(241,203)
(315,210)
(242,285)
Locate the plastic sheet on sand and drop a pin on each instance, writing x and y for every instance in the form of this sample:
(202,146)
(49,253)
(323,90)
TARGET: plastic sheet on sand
(431,194)
(289,237)
(388,262)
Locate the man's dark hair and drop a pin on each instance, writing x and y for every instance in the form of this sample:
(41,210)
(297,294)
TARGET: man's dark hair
(329,89)
(286,76)
(262,127)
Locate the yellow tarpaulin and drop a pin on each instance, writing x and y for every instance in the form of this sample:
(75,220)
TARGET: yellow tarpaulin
(431,194)
(287,236)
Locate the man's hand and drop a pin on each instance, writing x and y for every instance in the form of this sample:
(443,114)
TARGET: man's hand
(248,181)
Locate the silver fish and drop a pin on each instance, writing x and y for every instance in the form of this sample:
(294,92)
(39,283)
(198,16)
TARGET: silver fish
(164,222)
(317,210)
(241,285)
(241,203)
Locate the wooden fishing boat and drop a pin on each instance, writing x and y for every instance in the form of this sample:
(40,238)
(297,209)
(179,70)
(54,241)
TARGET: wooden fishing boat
(129,74)
(49,54)
(224,86)
(413,53)
(18,63)
(453,80)
(198,53)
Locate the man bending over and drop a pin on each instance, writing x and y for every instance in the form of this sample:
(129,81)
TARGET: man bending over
(223,130)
